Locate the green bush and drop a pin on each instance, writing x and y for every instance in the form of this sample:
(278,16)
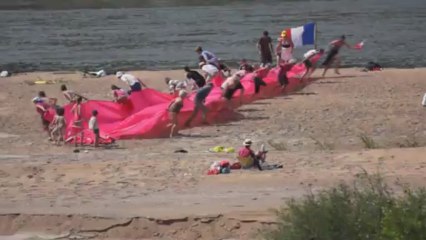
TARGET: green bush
(368,209)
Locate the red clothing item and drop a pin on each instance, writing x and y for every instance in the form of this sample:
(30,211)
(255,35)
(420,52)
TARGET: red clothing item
(245,152)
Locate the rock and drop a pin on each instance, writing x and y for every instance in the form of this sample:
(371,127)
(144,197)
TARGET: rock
(206,220)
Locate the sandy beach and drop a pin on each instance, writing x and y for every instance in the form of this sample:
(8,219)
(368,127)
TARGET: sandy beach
(145,190)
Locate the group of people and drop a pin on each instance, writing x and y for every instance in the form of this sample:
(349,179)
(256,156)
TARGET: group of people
(200,83)
(57,126)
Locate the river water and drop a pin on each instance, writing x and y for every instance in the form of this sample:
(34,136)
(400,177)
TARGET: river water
(163,34)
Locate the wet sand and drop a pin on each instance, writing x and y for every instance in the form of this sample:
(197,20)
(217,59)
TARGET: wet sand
(144,190)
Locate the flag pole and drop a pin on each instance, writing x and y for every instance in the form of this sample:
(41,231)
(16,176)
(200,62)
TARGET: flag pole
(316,33)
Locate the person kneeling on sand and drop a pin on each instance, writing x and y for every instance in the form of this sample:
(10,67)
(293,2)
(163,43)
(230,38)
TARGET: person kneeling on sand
(246,153)
(174,109)
(231,85)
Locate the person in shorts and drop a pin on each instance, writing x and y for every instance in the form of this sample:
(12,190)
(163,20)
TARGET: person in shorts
(199,100)
(231,85)
(264,46)
(310,67)
(93,125)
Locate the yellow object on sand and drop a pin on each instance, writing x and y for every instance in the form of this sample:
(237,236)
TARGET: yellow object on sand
(246,162)
(229,150)
(217,149)
(40,82)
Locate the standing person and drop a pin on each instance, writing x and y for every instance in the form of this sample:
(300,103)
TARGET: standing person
(42,107)
(310,67)
(264,46)
(333,54)
(135,83)
(231,85)
(195,76)
(210,71)
(58,126)
(284,48)
(282,74)
(93,125)
(120,96)
(77,124)
(70,95)
(174,109)
(207,57)
(199,100)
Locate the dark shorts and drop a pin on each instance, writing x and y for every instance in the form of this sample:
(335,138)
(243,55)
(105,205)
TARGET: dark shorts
(257,83)
(230,91)
(96,132)
(282,79)
(266,58)
(308,63)
(330,56)
(136,87)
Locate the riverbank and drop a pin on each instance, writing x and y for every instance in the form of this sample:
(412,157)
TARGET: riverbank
(144,189)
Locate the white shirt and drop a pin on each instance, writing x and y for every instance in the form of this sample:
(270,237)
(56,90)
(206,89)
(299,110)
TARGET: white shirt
(310,53)
(210,69)
(129,79)
(93,123)
(187,84)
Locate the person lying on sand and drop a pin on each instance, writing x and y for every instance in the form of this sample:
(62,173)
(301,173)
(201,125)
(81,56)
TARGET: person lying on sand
(120,96)
(71,96)
(195,76)
(231,85)
(58,126)
(310,67)
(199,100)
(174,109)
(134,83)
(247,152)
(98,74)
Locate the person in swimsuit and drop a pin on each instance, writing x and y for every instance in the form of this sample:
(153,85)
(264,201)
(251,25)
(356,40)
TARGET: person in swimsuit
(282,74)
(174,109)
(231,85)
(333,54)
(58,126)
(120,96)
(70,95)
(199,100)
(77,124)
(284,48)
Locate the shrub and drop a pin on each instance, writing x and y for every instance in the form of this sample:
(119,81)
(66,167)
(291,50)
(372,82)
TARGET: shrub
(368,142)
(368,209)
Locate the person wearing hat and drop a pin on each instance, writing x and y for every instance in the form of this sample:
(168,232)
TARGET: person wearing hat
(231,85)
(310,67)
(207,57)
(246,152)
(333,54)
(135,83)
(199,99)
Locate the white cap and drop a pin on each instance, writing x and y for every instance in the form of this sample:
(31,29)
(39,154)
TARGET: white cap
(292,61)
(119,74)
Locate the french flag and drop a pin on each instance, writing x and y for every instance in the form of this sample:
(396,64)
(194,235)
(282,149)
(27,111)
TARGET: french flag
(303,35)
